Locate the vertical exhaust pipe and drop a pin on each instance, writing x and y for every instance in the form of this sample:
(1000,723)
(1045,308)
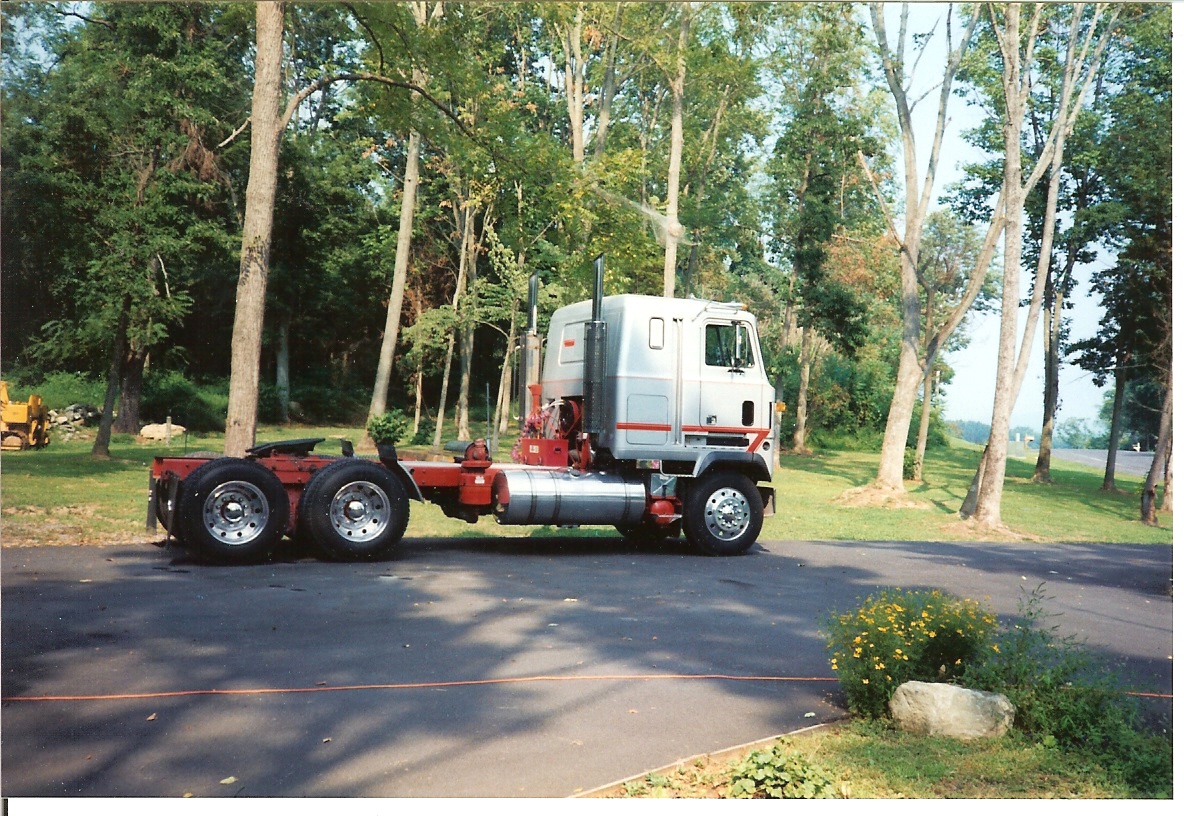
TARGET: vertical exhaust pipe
(528,373)
(595,356)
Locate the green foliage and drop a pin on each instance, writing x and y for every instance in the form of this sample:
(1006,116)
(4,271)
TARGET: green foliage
(389,428)
(1062,699)
(897,636)
(910,463)
(58,389)
(201,408)
(778,773)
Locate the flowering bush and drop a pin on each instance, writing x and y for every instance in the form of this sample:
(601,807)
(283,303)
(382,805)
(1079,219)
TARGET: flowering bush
(897,636)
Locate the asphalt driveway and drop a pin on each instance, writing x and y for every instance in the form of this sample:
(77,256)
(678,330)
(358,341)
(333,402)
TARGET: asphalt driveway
(476,667)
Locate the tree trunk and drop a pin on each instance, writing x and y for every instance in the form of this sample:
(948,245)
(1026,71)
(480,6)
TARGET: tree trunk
(1166,505)
(608,88)
(502,415)
(573,63)
(1115,423)
(1052,383)
(468,270)
(1158,462)
(674,229)
(456,297)
(987,510)
(394,309)
(247,335)
(131,392)
(283,355)
(923,429)
(799,430)
(102,446)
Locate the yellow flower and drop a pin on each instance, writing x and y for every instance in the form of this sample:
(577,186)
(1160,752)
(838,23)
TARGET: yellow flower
(865,681)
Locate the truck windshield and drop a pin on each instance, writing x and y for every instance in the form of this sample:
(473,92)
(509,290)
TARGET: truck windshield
(728,346)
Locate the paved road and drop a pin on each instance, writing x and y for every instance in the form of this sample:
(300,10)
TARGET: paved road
(349,673)
(1129,462)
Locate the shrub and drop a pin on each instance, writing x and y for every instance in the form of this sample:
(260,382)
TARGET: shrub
(776,773)
(200,408)
(59,388)
(897,636)
(1062,699)
(389,428)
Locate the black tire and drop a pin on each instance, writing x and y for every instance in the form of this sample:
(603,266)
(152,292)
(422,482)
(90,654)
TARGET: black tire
(231,511)
(648,532)
(723,514)
(354,510)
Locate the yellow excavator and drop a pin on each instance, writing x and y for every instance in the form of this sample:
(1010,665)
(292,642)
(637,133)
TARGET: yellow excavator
(22,424)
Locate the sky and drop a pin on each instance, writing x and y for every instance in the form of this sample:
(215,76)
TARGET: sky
(970,394)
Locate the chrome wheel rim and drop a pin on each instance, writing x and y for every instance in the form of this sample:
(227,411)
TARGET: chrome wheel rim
(236,512)
(360,511)
(727,514)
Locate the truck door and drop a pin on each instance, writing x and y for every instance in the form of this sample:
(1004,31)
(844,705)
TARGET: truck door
(733,394)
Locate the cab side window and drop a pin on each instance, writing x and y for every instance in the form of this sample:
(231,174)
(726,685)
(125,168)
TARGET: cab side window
(728,346)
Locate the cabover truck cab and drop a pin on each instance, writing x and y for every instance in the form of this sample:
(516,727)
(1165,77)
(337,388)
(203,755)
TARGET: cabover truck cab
(652,415)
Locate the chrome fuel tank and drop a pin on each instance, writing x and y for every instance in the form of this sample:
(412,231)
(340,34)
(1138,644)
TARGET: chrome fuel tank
(567,497)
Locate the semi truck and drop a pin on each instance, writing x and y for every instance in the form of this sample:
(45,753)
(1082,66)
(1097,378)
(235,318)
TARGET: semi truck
(651,415)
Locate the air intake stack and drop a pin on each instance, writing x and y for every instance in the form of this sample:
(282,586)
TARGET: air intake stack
(595,357)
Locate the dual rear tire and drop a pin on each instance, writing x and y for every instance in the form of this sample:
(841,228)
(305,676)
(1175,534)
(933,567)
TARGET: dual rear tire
(236,511)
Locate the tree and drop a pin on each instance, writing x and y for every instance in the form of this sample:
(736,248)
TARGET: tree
(916,360)
(115,132)
(817,194)
(1134,343)
(266,129)
(1081,48)
(946,262)
(423,16)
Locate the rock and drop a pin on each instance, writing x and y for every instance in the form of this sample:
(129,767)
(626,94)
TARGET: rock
(939,709)
(159,431)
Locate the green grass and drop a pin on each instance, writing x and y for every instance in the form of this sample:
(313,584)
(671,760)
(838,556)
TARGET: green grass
(1071,509)
(871,760)
(61,495)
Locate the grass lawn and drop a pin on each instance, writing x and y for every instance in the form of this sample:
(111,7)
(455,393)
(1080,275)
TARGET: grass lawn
(60,495)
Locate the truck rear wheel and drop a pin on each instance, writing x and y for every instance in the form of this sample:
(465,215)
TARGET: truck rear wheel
(354,510)
(231,511)
(723,514)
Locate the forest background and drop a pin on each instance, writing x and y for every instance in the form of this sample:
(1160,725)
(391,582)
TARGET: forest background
(429,156)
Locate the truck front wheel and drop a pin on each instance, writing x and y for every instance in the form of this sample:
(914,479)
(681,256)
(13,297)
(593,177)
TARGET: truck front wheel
(723,514)
(231,511)
(354,510)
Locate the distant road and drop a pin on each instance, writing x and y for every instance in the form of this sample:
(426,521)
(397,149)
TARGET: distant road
(1129,462)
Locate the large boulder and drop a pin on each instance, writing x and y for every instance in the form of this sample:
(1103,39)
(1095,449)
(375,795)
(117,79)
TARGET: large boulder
(161,431)
(942,710)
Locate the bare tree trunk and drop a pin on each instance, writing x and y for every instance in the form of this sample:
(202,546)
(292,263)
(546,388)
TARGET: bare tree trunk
(805,359)
(990,489)
(394,309)
(1074,90)
(102,447)
(923,429)
(1052,378)
(468,264)
(674,229)
(247,335)
(1158,462)
(608,88)
(283,357)
(502,414)
(573,62)
(1115,423)
(1166,505)
(913,360)
(131,391)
